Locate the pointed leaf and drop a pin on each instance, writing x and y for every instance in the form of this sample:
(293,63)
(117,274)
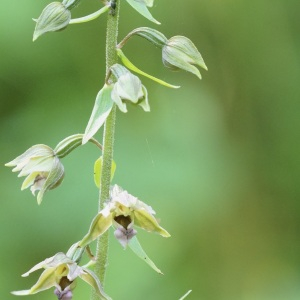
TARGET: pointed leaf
(142,9)
(138,250)
(101,110)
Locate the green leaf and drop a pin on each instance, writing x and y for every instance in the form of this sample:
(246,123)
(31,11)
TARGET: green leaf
(101,110)
(97,170)
(132,67)
(142,9)
(136,247)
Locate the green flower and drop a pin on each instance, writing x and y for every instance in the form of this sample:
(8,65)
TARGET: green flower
(61,272)
(42,167)
(123,211)
(128,88)
(41,164)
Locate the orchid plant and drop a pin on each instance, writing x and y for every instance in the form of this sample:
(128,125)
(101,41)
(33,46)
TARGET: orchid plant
(43,166)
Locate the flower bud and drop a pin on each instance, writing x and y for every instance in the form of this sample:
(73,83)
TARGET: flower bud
(180,53)
(54,17)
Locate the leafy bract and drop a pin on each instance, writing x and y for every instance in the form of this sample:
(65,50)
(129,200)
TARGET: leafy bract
(141,7)
(101,110)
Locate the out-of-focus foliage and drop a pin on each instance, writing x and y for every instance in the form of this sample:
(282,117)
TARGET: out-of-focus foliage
(218,158)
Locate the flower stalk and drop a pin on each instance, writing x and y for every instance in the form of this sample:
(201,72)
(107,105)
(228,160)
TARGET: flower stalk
(108,143)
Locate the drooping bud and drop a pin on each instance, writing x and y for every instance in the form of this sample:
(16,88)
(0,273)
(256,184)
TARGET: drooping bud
(55,16)
(181,53)
(178,52)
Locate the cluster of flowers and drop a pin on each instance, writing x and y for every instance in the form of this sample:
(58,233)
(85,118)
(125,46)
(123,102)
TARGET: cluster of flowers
(43,168)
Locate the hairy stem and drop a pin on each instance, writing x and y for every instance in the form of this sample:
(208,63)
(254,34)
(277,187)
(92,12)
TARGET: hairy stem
(108,143)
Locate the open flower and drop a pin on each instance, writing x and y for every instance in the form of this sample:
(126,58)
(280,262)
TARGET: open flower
(42,167)
(60,272)
(123,211)
(128,88)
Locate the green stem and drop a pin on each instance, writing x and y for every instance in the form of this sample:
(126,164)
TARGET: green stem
(108,142)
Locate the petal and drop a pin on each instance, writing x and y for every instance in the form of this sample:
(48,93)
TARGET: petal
(34,151)
(46,281)
(54,261)
(99,225)
(39,181)
(117,99)
(29,180)
(145,103)
(129,87)
(37,164)
(21,293)
(74,271)
(146,221)
(54,179)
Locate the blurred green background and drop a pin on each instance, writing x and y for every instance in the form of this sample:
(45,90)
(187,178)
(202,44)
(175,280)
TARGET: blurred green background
(218,159)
